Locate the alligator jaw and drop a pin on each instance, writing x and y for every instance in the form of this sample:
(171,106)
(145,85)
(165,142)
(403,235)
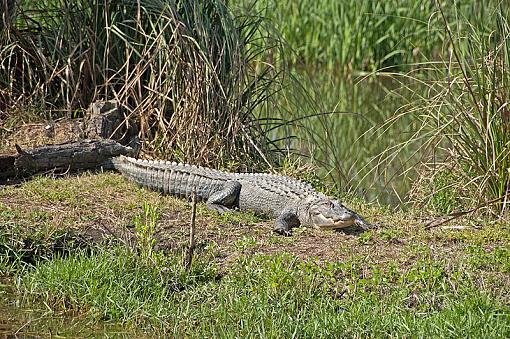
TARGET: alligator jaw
(330,224)
(330,214)
(324,223)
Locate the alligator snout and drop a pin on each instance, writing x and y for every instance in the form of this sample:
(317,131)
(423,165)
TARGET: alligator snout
(334,216)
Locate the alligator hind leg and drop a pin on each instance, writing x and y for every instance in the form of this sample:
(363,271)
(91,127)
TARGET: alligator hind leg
(226,199)
(286,221)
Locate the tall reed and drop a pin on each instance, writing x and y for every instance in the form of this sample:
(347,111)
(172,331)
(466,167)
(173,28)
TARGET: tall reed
(465,114)
(188,71)
(364,35)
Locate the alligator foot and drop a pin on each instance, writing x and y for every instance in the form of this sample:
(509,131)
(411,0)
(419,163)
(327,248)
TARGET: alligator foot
(282,231)
(286,222)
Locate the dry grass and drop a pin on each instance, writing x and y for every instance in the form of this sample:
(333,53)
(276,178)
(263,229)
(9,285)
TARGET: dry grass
(189,72)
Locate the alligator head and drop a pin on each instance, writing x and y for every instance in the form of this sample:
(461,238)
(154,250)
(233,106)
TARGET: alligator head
(331,214)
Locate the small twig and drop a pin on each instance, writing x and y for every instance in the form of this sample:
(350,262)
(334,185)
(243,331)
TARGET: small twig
(191,248)
(449,217)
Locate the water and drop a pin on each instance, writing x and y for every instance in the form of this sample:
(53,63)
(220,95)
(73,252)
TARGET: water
(347,132)
(21,318)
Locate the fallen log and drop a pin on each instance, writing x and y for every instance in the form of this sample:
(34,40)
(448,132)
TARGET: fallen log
(82,155)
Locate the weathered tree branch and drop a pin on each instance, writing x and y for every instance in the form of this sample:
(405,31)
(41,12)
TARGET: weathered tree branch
(82,155)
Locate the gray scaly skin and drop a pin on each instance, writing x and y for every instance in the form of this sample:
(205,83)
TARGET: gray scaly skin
(292,202)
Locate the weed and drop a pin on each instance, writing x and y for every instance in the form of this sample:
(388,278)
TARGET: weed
(114,284)
(246,243)
(365,238)
(491,258)
(145,228)
(443,188)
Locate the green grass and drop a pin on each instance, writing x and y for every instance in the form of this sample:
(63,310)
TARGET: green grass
(395,280)
(114,284)
(275,296)
(367,35)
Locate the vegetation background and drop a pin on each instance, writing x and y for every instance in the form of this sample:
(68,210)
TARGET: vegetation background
(400,103)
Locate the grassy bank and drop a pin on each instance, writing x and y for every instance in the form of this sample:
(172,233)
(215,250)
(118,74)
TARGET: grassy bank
(279,296)
(397,279)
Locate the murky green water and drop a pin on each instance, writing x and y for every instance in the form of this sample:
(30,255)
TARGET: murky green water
(21,318)
(346,132)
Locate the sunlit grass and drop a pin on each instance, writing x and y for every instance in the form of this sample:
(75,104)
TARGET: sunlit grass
(395,280)
(366,35)
(274,296)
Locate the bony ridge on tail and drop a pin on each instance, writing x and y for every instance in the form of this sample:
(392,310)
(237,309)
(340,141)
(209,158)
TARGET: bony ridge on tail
(291,202)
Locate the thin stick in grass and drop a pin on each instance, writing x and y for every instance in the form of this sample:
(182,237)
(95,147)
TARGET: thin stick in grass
(452,216)
(192,244)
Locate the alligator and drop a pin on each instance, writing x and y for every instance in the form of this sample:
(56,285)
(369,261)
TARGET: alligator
(291,202)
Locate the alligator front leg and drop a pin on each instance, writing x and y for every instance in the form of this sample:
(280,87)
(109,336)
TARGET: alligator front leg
(285,222)
(226,199)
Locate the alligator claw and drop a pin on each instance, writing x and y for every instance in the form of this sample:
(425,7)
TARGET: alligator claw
(361,223)
(283,232)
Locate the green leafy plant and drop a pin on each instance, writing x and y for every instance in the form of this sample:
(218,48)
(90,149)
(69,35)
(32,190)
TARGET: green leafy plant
(145,228)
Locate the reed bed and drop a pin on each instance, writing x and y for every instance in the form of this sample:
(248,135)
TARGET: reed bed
(365,35)
(187,71)
(463,114)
